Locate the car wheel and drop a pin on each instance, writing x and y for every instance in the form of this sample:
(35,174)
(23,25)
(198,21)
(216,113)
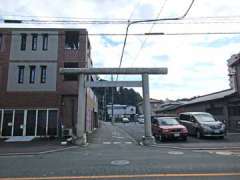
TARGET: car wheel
(221,137)
(184,138)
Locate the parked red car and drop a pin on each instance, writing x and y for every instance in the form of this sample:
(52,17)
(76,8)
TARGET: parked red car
(168,128)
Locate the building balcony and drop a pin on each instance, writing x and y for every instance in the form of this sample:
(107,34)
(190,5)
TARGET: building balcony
(72,54)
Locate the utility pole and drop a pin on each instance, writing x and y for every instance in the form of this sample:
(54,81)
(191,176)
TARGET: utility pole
(102,111)
(113,118)
(105,102)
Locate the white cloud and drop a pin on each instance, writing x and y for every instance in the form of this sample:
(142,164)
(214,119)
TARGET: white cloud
(196,66)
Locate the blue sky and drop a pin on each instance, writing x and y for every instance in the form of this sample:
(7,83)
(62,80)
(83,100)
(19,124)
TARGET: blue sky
(197,64)
(221,42)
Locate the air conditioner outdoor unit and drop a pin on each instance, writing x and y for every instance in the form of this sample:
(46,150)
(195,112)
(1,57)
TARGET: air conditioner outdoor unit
(67,132)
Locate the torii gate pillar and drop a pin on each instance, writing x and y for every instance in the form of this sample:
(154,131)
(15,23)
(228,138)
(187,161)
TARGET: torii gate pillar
(81,138)
(148,139)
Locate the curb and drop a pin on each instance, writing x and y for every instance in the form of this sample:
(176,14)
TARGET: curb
(38,153)
(197,148)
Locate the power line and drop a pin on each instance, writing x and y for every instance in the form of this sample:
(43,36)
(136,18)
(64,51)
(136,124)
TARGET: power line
(123,23)
(113,19)
(129,21)
(150,30)
(198,20)
(152,20)
(136,34)
(139,1)
(192,33)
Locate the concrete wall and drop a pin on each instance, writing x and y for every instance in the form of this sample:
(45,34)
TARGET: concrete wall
(50,84)
(203,107)
(50,54)
(232,122)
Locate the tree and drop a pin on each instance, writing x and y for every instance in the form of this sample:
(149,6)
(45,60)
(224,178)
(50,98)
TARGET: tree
(123,96)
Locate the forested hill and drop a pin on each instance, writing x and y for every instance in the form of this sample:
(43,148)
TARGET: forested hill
(123,96)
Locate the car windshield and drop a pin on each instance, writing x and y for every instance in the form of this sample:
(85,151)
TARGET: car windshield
(167,121)
(204,117)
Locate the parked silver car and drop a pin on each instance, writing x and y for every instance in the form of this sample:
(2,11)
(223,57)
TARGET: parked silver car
(202,124)
(140,119)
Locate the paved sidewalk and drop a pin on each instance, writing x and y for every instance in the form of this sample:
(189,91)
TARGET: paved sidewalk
(107,134)
(35,146)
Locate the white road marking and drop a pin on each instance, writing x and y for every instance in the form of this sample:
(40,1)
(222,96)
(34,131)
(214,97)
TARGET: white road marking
(128,142)
(106,142)
(120,162)
(221,152)
(116,142)
(175,152)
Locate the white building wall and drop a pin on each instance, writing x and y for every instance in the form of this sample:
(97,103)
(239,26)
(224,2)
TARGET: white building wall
(28,55)
(51,77)
(121,110)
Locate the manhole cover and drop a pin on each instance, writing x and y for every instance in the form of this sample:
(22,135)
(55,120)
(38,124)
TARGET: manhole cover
(120,162)
(175,152)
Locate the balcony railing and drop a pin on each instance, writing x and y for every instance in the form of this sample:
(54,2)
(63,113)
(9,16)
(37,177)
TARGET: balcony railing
(72,54)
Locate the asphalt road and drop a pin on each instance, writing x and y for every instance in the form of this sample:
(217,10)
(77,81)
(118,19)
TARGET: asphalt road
(136,131)
(113,154)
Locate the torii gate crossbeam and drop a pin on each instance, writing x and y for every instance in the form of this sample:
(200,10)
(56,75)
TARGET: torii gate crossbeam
(81,72)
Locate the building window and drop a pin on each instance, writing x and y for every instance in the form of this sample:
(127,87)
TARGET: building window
(43,74)
(72,40)
(23,42)
(32,74)
(34,42)
(70,77)
(45,42)
(20,74)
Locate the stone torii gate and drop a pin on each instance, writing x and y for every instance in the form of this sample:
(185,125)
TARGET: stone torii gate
(82,72)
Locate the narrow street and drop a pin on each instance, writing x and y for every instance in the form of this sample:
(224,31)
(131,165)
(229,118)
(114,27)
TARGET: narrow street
(113,154)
